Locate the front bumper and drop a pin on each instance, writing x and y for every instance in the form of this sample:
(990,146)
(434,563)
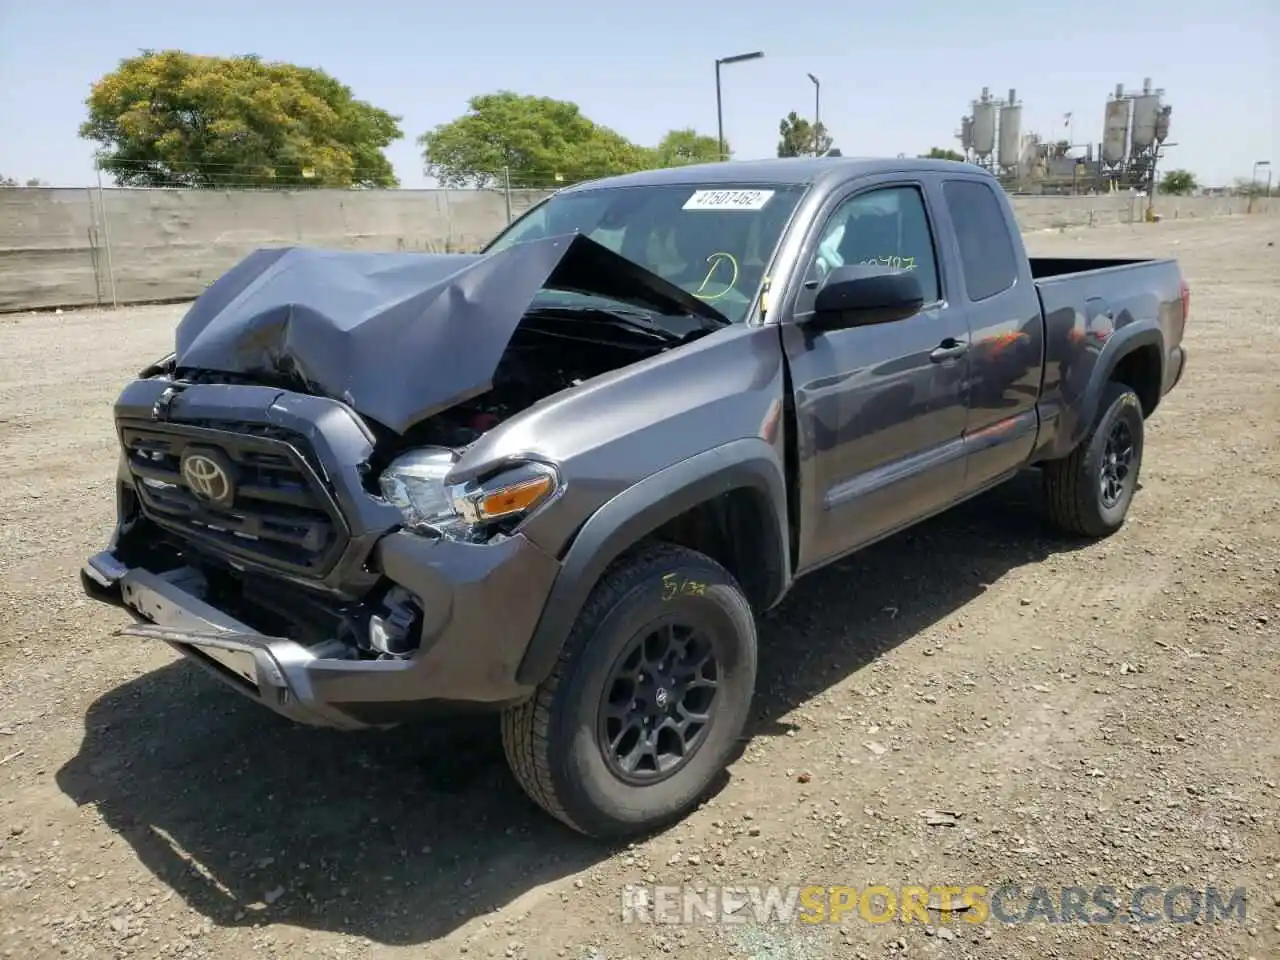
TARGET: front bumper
(481,604)
(1179,365)
(477,605)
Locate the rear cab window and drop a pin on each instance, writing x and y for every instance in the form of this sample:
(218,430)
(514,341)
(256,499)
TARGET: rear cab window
(982,231)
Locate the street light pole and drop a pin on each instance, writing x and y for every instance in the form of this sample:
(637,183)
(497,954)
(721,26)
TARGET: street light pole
(817,111)
(736,58)
(1253,182)
(719,115)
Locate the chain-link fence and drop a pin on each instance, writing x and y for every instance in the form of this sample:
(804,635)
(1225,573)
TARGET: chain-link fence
(104,245)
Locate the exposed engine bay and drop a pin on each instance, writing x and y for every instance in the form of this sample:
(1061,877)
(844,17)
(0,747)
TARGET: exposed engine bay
(543,358)
(402,337)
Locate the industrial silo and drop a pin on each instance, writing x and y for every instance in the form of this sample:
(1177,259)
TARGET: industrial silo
(966,134)
(983,126)
(1146,117)
(1010,132)
(1115,131)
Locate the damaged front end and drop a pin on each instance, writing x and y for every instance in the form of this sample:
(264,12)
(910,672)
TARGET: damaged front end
(287,516)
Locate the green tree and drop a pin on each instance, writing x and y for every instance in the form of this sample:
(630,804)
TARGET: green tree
(536,141)
(941,153)
(171,118)
(604,154)
(1178,183)
(800,138)
(685,146)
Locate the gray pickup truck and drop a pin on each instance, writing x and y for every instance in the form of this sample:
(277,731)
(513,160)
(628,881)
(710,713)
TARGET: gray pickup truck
(562,477)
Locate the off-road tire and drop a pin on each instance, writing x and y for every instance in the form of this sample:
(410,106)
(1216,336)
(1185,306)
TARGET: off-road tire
(551,739)
(1072,488)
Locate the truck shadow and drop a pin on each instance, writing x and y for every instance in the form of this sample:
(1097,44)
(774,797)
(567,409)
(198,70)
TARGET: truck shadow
(841,618)
(403,836)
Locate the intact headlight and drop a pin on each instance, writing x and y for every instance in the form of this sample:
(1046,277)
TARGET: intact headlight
(415,483)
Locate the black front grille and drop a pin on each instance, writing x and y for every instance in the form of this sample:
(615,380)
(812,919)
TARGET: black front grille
(281,515)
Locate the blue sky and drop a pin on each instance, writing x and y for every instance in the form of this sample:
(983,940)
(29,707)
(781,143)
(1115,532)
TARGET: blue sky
(896,77)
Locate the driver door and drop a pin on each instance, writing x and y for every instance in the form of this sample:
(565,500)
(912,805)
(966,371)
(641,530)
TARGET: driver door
(880,409)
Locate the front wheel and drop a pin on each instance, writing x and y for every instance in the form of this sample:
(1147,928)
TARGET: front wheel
(646,703)
(1089,492)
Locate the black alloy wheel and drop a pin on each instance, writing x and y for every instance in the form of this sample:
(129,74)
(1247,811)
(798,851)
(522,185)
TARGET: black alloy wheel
(1117,458)
(647,703)
(1088,492)
(658,703)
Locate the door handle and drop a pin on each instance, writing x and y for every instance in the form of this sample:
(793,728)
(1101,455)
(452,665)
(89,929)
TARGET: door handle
(949,349)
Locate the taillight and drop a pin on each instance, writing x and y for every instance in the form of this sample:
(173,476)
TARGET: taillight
(1186,301)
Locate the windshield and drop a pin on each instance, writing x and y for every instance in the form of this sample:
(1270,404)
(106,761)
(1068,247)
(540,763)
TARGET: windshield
(712,242)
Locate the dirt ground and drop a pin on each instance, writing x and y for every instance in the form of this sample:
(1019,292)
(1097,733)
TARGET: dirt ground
(1105,714)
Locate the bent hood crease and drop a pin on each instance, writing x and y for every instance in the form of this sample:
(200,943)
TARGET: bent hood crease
(397,336)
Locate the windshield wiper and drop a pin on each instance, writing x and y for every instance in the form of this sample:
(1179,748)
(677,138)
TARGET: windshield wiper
(710,324)
(638,321)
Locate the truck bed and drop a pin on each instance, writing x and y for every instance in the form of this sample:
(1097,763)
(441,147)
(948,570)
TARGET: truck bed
(1088,302)
(1143,285)
(1111,291)
(1047,268)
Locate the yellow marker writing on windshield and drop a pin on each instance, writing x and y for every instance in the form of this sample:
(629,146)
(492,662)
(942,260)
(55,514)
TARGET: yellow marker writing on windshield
(715,260)
(901,263)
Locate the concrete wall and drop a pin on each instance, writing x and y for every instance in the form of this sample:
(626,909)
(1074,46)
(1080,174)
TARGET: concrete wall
(65,246)
(62,246)
(1044,213)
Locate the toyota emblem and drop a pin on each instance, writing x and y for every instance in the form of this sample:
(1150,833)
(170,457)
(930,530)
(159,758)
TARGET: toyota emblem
(207,479)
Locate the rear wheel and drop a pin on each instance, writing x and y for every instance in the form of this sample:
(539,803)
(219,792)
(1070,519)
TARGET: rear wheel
(646,703)
(1089,492)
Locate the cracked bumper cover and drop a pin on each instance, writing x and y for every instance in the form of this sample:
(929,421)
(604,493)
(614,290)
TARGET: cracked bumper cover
(481,604)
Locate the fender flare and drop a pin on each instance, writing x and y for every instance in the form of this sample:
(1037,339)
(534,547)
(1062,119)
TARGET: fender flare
(638,511)
(1124,342)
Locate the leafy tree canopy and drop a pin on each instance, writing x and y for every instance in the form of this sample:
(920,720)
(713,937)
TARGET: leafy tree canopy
(172,118)
(539,142)
(687,146)
(800,138)
(941,153)
(1178,183)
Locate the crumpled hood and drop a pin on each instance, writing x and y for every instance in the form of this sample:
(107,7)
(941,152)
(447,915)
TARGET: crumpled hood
(397,336)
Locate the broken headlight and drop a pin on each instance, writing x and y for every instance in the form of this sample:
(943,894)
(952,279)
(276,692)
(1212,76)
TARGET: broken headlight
(415,483)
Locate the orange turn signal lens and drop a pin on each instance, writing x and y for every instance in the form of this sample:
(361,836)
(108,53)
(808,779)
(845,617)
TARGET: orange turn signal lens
(516,498)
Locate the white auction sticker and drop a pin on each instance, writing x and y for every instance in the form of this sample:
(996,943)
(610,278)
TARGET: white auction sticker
(749,200)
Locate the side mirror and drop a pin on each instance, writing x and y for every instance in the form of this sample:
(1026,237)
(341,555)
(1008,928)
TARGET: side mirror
(858,295)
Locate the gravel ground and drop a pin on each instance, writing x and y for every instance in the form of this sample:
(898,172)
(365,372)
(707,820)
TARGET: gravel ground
(1104,714)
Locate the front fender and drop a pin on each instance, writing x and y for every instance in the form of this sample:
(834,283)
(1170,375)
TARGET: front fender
(749,463)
